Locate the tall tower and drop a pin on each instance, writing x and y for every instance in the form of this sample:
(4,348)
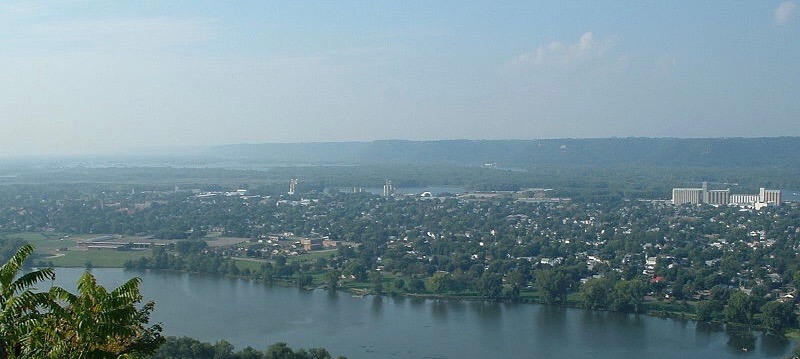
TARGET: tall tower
(388,188)
(293,185)
(705,192)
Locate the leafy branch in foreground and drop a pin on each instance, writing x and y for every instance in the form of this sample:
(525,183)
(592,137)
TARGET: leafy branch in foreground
(94,323)
(18,302)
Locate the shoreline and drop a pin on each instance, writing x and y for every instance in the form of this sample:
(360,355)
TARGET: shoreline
(792,334)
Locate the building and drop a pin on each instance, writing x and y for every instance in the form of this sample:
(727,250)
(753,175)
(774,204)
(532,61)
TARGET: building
(292,186)
(687,195)
(718,196)
(388,188)
(329,243)
(765,196)
(311,244)
(743,199)
(769,196)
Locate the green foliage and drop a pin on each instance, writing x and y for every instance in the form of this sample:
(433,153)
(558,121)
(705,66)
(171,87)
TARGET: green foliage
(706,311)
(777,316)
(740,308)
(594,293)
(439,282)
(490,285)
(305,280)
(95,323)
(188,348)
(8,247)
(332,279)
(628,296)
(356,269)
(376,278)
(19,316)
(553,285)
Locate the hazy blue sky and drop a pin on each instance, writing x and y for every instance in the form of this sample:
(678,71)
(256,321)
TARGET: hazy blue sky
(88,76)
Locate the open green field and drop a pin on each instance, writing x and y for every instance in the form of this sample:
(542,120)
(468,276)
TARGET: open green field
(310,256)
(243,264)
(49,249)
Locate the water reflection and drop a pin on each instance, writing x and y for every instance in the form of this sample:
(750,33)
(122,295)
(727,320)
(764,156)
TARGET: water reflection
(489,315)
(706,333)
(387,327)
(416,302)
(552,320)
(773,345)
(740,339)
(305,293)
(439,309)
(332,295)
(377,305)
(398,300)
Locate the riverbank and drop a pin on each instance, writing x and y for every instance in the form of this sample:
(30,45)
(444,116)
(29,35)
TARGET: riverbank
(248,313)
(684,311)
(53,255)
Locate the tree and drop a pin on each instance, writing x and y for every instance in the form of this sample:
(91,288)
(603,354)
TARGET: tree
(777,316)
(332,279)
(356,269)
(188,348)
(376,278)
(740,308)
(594,293)
(490,285)
(282,351)
(305,280)
(399,284)
(98,323)
(552,284)
(707,309)
(18,303)
(95,323)
(439,282)
(628,295)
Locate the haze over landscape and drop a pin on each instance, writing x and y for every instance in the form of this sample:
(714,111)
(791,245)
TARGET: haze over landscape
(399,179)
(100,77)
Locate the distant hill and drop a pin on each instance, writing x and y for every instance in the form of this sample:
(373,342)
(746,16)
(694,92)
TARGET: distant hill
(724,152)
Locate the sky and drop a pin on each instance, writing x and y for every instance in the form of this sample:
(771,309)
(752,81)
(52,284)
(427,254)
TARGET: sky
(107,76)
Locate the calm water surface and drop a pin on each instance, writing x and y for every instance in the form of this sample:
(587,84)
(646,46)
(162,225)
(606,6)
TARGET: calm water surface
(249,313)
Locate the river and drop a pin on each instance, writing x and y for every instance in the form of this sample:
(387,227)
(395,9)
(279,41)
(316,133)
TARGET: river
(245,313)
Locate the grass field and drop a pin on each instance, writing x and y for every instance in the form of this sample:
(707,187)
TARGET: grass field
(247,264)
(49,244)
(310,256)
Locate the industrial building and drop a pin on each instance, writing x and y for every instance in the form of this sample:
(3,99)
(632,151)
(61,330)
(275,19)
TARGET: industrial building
(687,195)
(771,197)
(718,196)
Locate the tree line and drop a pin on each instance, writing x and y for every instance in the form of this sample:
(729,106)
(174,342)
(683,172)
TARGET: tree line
(96,322)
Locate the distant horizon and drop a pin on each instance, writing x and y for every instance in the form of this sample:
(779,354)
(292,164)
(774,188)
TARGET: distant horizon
(93,77)
(146,151)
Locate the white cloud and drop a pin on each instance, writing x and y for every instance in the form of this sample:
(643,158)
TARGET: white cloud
(784,12)
(556,54)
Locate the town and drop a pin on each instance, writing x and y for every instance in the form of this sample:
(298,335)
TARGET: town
(504,245)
